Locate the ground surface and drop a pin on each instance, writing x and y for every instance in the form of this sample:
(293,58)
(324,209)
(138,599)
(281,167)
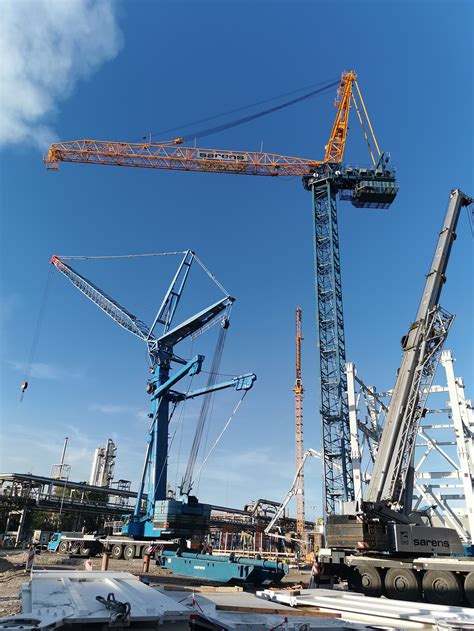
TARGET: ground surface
(12,574)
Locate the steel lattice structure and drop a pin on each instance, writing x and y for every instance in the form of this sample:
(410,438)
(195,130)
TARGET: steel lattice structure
(337,465)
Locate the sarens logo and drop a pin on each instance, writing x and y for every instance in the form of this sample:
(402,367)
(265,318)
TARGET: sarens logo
(223,155)
(434,543)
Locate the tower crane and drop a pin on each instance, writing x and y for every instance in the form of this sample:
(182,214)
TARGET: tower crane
(326,179)
(164,517)
(298,392)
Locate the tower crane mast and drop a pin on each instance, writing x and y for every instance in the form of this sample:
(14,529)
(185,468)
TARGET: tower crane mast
(327,180)
(298,392)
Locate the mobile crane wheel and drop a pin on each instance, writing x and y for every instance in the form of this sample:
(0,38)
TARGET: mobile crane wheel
(129,552)
(469,588)
(117,551)
(402,584)
(62,548)
(368,580)
(442,588)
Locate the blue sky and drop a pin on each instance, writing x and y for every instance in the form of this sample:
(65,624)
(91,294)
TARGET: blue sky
(124,69)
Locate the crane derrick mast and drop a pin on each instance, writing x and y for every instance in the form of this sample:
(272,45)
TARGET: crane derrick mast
(327,179)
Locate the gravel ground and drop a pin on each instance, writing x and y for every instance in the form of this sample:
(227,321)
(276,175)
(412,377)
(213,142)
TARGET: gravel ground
(12,574)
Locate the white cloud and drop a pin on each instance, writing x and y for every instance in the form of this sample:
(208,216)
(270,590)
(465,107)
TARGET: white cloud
(111,408)
(46,47)
(118,409)
(39,370)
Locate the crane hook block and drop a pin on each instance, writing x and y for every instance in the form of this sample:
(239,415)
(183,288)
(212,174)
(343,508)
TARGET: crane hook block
(24,386)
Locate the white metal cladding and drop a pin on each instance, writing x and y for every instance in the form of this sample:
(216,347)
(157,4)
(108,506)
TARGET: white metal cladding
(51,597)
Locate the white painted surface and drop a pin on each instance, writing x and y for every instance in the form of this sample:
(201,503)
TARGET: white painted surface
(397,613)
(52,596)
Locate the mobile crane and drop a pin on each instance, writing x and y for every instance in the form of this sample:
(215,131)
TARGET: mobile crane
(326,179)
(380,544)
(157,516)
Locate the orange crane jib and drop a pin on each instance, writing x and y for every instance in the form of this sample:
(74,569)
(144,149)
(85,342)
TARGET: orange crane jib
(169,155)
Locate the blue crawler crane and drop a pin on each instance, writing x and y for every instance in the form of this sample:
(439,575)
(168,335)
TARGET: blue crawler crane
(157,516)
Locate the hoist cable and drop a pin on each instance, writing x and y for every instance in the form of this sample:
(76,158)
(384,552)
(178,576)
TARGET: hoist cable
(364,131)
(121,256)
(204,413)
(36,335)
(232,111)
(470,214)
(145,255)
(251,117)
(205,443)
(234,412)
(178,460)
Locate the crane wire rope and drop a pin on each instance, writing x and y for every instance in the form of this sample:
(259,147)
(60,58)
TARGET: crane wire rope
(36,335)
(186,483)
(180,418)
(367,117)
(246,119)
(470,215)
(205,442)
(234,412)
(364,131)
(165,463)
(232,111)
(147,254)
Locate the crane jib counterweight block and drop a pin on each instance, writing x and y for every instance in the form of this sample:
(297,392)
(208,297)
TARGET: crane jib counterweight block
(223,568)
(180,519)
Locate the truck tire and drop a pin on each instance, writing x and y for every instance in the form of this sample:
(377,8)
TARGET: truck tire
(402,584)
(442,588)
(369,580)
(117,551)
(62,548)
(84,551)
(129,552)
(469,588)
